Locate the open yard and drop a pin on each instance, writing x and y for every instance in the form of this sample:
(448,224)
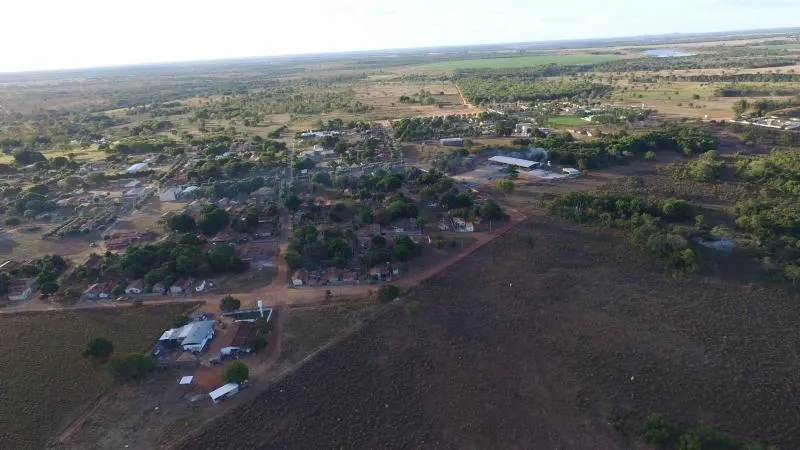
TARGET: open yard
(45,381)
(543,339)
(521,61)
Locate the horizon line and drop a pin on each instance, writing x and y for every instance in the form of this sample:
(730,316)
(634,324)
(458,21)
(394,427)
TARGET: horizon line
(741,32)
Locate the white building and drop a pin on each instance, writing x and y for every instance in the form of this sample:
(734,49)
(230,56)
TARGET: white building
(226,391)
(169,195)
(135,288)
(136,168)
(517,162)
(193,336)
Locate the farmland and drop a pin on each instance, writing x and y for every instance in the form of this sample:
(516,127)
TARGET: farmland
(519,62)
(45,380)
(553,315)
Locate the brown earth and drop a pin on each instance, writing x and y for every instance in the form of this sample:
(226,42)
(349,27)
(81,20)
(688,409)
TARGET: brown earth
(539,340)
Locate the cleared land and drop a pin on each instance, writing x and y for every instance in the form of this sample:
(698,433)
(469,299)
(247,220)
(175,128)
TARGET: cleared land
(540,340)
(521,61)
(44,380)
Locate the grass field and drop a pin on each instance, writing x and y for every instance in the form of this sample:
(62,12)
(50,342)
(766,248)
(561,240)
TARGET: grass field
(790,47)
(566,121)
(44,380)
(520,61)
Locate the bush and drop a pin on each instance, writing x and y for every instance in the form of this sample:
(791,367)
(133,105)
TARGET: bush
(229,303)
(132,366)
(658,431)
(49,287)
(388,293)
(179,321)
(259,343)
(650,156)
(98,348)
(237,372)
(13,221)
(413,308)
(504,186)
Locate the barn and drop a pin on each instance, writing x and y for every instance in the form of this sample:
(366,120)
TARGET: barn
(514,162)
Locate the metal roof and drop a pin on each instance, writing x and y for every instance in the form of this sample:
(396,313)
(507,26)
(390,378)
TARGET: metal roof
(514,161)
(223,391)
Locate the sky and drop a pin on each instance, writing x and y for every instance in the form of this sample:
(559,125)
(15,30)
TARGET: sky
(61,34)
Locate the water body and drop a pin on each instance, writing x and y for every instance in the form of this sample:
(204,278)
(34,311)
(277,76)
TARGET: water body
(667,53)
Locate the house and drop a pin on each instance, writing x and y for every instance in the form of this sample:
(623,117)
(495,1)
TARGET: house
(181,286)
(300,277)
(238,339)
(160,288)
(10,265)
(99,291)
(169,195)
(21,289)
(451,142)
(349,277)
(136,192)
(135,288)
(204,285)
(226,391)
(193,336)
(136,168)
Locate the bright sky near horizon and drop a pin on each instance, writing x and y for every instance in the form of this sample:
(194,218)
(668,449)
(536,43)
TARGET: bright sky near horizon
(59,34)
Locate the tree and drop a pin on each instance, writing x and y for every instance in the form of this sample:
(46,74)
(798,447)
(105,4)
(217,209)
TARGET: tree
(237,372)
(182,223)
(292,202)
(49,287)
(5,281)
(512,173)
(132,365)
(321,178)
(740,107)
(229,303)
(491,210)
(504,186)
(98,348)
(388,293)
(213,219)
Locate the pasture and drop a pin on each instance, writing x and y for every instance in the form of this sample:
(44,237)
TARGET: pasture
(44,379)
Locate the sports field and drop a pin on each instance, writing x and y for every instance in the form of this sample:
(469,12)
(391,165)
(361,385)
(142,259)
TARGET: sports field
(566,121)
(521,61)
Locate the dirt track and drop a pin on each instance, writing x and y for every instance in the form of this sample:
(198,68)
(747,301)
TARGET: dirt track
(585,333)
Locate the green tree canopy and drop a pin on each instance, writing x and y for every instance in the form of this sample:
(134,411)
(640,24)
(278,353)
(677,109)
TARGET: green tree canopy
(237,372)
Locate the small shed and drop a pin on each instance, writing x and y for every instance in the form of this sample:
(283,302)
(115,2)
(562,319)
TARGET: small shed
(228,390)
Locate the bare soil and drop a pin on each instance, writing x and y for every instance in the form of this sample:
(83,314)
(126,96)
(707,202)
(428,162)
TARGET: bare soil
(539,340)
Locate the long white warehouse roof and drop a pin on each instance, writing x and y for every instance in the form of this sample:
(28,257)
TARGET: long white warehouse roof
(514,161)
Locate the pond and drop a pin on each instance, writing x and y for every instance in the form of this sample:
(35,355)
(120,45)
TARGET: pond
(667,53)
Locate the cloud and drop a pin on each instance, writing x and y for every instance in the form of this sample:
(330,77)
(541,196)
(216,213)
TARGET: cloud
(351,10)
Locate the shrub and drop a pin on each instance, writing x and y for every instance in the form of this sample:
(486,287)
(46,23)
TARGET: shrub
(658,431)
(179,321)
(237,372)
(388,293)
(229,303)
(98,348)
(132,366)
(259,343)
(413,308)
(12,221)
(504,186)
